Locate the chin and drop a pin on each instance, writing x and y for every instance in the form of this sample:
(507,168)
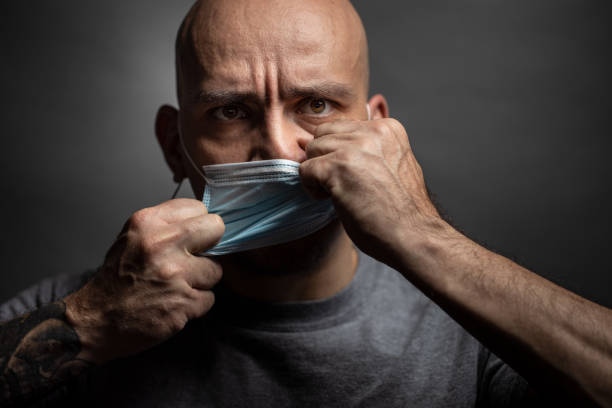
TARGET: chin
(299,256)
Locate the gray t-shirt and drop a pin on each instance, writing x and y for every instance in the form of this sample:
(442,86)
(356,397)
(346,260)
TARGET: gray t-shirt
(377,343)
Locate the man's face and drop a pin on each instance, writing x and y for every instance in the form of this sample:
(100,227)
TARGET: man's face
(258,77)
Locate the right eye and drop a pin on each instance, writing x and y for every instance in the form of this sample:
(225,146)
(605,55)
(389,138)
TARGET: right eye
(229,112)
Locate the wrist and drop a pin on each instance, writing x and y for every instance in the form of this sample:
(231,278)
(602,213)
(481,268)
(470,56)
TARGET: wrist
(423,250)
(86,321)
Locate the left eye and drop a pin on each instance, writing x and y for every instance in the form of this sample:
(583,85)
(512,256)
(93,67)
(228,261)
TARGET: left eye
(229,112)
(316,107)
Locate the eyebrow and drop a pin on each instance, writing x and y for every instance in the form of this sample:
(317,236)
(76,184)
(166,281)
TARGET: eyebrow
(224,97)
(331,90)
(326,90)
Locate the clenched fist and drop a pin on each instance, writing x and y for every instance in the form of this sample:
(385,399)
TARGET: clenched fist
(374,180)
(151,283)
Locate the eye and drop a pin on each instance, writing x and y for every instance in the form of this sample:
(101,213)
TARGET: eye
(316,106)
(229,112)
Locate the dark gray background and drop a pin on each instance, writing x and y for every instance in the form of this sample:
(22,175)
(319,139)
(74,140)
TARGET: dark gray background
(507,104)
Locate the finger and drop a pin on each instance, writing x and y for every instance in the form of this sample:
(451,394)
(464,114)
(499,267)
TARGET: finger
(180,209)
(329,143)
(390,129)
(200,302)
(202,273)
(200,233)
(339,126)
(315,175)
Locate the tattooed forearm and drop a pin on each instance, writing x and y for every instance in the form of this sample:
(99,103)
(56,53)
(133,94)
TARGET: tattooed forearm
(38,353)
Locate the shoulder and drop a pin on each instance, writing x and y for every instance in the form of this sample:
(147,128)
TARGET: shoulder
(46,291)
(395,304)
(425,332)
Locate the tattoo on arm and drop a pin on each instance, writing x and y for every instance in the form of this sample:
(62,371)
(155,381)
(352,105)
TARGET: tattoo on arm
(38,354)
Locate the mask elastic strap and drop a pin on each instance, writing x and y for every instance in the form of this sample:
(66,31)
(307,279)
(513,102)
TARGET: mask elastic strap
(197,169)
(178,187)
(369,111)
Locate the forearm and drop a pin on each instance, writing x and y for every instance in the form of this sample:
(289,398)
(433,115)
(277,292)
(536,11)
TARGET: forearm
(39,352)
(553,337)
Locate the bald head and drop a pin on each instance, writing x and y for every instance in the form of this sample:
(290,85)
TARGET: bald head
(268,41)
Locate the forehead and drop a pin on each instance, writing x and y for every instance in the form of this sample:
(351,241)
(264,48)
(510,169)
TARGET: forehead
(244,45)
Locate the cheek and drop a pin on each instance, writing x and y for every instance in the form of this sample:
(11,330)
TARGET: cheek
(226,148)
(214,143)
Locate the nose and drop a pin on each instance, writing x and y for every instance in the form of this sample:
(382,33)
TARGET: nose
(281,138)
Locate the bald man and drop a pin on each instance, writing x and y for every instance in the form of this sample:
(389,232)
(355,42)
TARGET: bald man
(332,317)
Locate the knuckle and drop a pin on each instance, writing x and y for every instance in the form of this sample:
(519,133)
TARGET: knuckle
(167,270)
(208,300)
(394,124)
(199,205)
(379,126)
(199,304)
(161,321)
(176,321)
(190,202)
(397,129)
(215,272)
(387,127)
(139,219)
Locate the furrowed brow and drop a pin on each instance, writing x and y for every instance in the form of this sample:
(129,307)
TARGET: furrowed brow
(327,90)
(224,97)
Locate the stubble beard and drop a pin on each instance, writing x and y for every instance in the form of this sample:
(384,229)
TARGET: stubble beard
(298,257)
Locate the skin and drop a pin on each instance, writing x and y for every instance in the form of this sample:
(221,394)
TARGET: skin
(259,54)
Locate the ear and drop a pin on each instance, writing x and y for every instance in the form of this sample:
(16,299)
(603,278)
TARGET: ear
(166,131)
(378,107)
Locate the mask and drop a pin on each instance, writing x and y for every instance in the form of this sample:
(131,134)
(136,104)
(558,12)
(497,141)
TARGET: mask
(262,203)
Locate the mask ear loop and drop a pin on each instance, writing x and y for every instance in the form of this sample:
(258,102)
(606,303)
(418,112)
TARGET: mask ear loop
(178,187)
(186,153)
(369,111)
(197,169)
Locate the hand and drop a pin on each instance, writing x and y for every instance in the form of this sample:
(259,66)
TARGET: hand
(374,180)
(151,284)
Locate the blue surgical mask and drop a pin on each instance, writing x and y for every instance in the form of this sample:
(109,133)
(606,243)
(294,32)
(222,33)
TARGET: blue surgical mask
(262,203)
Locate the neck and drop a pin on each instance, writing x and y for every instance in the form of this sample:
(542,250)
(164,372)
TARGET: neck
(291,272)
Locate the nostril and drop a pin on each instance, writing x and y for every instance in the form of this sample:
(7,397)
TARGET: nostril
(257,154)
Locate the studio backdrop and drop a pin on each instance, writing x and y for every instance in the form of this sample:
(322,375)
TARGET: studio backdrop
(507,105)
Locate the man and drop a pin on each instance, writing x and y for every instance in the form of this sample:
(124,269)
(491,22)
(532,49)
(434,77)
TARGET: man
(313,321)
